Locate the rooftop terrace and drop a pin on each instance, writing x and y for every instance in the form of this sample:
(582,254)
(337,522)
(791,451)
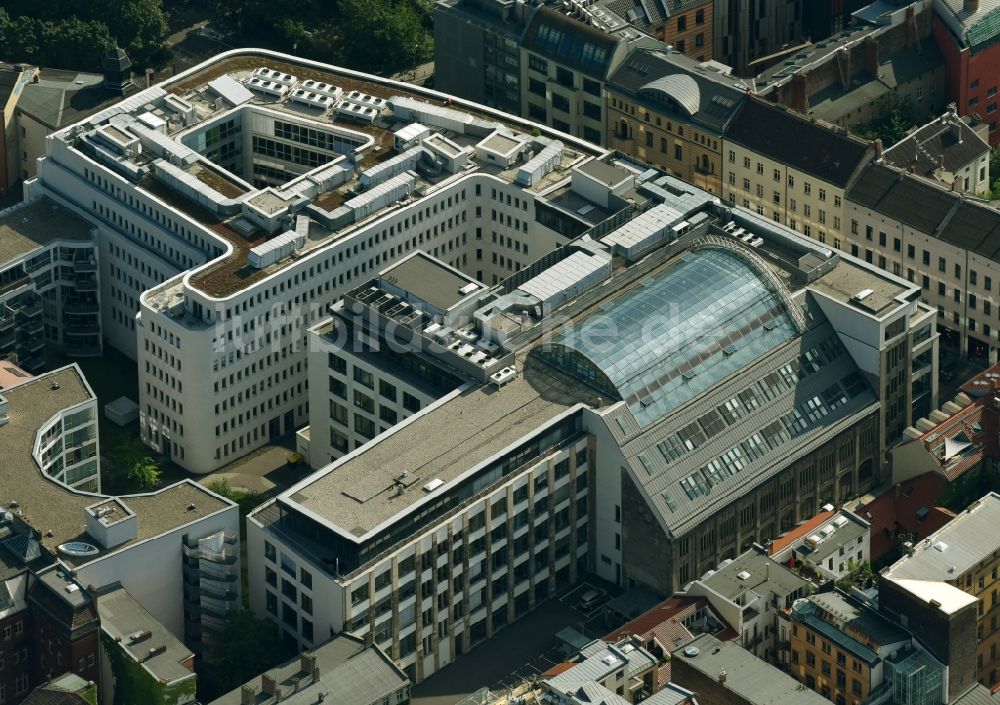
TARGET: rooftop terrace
(459,127)
(56,512)
(28,227)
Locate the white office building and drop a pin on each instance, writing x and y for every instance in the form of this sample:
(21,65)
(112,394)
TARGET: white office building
(230,206)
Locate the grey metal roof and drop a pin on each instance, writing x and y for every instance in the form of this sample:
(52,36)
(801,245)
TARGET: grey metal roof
(604,661)
(957,547)
(349,674)
(947,141)
(785,136)
(231,89)
(122,619)
(750,680)
(979,694)
(650,76)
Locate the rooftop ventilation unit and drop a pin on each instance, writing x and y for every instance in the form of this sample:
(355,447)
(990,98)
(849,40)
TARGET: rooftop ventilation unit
(839,521)
(940,546)
(355,111)
(323,88)
(266,87)
(313,100)
(267,74)
(743,575)
(504,375)
(862,295)
(433,484)
(369,101)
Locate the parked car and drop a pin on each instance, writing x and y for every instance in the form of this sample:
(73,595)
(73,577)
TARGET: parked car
(590,598)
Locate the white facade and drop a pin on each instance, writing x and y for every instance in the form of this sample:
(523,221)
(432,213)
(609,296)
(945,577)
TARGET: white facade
(222,362)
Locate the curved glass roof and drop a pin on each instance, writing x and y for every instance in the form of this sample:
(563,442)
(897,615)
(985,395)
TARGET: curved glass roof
(675,334)
(681,88)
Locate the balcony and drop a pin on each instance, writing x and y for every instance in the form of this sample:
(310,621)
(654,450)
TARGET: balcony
(81,307)
(86,285)
(82,327)
(85,264)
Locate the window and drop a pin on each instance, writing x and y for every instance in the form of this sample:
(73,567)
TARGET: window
(536,63)
(337,363)
(386,390)
(306,578)
(682,23)
(560,102)
(411,403)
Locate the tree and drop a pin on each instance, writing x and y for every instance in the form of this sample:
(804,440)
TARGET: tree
(139,26)
(130,468)
(898,116)
(246,647)
(398,27)
(143,474)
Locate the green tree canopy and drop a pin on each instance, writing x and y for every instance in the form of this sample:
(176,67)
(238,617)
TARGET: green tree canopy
(75,34)
(246,647)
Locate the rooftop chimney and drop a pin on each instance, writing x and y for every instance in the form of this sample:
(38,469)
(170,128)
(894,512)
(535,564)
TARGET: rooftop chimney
(307,664)
(872,56)
(268,685)
(971,6)
(722,676)
(248,694)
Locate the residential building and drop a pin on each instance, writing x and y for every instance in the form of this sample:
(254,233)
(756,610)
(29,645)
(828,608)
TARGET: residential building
(622,668)
(13,79)
(832,544)
(724,673)
(465,515)
(670,625)
(346,670)
(966,31)
(790,169)
(140,660)
(826,18)
(904,513)
(67,689)
(953,150)
(944,246)
(749,592)
(884,57)
(137,541)
(50,298)
(15,624)
(946,587)
(684,25)
(841,647)
(478,52)
(747,33)
(671,111)
(65,628)
(953,442)
(565,64)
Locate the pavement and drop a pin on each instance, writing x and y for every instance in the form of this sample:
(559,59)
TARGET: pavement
(264,472)
(517,653)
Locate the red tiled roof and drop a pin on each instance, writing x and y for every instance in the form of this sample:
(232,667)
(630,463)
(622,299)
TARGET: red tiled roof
(780,544)
(895,510)
(674,609)
(959,423)
(979,385)
(558,668)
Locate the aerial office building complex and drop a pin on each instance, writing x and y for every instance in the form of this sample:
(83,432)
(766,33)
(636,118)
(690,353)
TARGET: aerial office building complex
(679,377)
